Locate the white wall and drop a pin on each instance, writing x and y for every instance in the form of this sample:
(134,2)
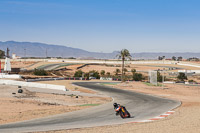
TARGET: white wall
(30,84)
(10,76)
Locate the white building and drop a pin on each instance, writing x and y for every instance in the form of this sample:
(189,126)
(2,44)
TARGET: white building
(14,56)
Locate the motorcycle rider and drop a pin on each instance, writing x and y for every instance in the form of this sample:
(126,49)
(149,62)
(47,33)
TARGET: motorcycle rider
(117,108)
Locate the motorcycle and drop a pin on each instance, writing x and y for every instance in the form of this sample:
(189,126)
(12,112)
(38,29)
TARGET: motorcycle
(123,112)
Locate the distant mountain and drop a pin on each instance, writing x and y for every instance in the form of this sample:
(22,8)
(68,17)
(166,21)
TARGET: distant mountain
(185,55)
(34,49)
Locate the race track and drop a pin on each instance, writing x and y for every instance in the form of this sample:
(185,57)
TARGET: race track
(140,106)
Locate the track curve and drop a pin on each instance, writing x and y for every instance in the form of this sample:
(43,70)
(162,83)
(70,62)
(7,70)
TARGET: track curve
(140,106)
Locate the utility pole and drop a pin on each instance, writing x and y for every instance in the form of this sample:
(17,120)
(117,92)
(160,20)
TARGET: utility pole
(46,52)
(25,55)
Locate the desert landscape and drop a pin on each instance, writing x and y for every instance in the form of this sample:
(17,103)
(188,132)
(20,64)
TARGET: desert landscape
(107,66)
(31,105)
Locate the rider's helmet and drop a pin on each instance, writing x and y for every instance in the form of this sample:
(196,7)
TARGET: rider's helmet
(115,105)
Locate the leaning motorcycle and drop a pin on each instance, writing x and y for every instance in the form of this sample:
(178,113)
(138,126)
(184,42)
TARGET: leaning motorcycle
(123,112)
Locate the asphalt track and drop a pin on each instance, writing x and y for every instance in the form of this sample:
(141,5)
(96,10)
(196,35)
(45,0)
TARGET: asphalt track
(140,106)
(49,66)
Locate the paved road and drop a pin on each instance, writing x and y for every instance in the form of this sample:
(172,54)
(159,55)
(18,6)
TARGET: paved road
(54,66)
(140,106)
(49,66)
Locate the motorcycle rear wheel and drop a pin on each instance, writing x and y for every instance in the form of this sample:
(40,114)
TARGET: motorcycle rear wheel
(121,114)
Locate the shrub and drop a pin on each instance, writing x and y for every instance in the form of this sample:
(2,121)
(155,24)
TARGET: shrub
(191,81)
(108,73)
(86,75)
(78,73)
(40,72)
(137,77)
(95,74)
(159,77)
(117,71)
(102,72)
(182,77)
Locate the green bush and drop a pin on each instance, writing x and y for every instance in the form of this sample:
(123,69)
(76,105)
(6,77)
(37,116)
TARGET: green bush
(103,72)
(108,74)
(95,74)
(133,71)
(117,71)
(40,72)
(137,77)
(191,81)
(182,77)
(78,73)
(159,77)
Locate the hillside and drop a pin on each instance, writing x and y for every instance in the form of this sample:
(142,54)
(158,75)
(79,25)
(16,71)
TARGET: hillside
(34,49)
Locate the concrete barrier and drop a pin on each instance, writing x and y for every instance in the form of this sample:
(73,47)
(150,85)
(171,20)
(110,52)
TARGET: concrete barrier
(29,84)
(10,76)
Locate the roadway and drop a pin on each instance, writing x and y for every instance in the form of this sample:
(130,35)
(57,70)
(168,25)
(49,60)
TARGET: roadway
(140,106)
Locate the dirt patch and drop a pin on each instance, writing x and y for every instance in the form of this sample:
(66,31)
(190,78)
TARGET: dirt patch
(28,105)
(13,110)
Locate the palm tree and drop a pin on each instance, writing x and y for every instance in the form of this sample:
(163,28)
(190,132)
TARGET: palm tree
(124,54)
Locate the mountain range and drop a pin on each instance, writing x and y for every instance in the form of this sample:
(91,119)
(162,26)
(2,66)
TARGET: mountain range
(35,49)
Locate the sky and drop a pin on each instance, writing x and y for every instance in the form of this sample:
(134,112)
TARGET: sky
(104,25)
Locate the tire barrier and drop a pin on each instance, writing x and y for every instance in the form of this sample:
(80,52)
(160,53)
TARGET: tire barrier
(20,91)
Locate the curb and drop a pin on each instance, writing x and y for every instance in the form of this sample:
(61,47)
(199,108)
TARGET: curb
(156,118)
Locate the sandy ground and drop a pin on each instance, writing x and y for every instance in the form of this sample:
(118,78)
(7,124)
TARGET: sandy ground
(20,64)
(28,105)
(186,118)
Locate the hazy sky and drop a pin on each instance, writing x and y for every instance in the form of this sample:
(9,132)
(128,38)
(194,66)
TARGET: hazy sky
(104,25)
